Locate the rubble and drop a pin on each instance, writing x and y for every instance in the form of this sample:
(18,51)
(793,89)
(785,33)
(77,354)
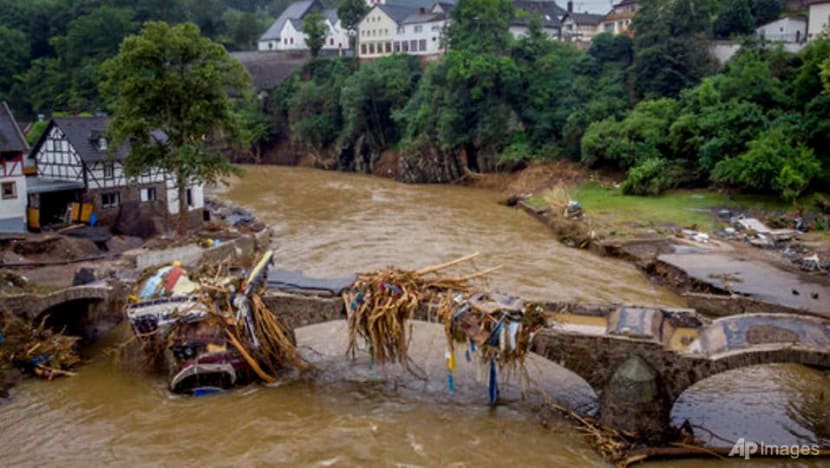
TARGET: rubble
(36,350)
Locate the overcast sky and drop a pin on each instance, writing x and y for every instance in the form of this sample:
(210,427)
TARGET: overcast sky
(592,6)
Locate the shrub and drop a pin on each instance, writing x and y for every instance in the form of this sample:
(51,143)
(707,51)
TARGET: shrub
(652,176)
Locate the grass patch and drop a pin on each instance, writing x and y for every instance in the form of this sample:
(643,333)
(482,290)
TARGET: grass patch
(610,212)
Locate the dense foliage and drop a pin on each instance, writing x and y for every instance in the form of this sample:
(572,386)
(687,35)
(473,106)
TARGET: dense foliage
(52,49)
(171,79)
(657,106)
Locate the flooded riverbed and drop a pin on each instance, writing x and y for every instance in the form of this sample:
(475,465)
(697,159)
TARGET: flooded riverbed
(350,413)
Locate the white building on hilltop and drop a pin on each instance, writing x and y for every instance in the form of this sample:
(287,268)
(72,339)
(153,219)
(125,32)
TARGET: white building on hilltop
(790,30)
(819,17)
(286,33)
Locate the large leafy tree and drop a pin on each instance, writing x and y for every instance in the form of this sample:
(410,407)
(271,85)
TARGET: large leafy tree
(173,79)
(15,47)
(350,13)
(315,28)
(734,19)
(765,11)
(670,49)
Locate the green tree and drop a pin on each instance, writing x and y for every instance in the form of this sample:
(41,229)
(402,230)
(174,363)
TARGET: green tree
(13,59)
(173,79)
(670,48)
(315,28)
(774,162)
(371,96)
(350,13)
(765,11)
(734,19)
(481,25)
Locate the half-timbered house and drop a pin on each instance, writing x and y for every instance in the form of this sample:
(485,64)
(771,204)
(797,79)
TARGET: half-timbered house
(75,164)
(12,179)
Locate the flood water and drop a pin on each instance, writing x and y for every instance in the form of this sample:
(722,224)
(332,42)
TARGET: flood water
(348,412)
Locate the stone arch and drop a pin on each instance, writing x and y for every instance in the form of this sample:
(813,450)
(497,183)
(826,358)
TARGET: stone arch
(75,317)
(39,304)
(811,409)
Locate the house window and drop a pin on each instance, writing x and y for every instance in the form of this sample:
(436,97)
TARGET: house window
(401,29)
(148,194)
(423,44)
(362,49)
(372,48)
(110,199)
(189,198)
(397,46)
(419,28)
(9,190)
(291,40)
(388,47)
(413,45)
(102,144)
(109,170)
(405,45)
(436,27)
(331,41)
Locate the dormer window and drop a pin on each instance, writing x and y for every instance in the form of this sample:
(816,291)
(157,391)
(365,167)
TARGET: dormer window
(102,144)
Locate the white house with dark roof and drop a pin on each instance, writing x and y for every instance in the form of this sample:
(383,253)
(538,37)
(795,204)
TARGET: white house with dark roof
(76,165)
(579,27)
(286,33)
(790,29)
(13,186)
(619,19)
(398,27)
(548,12)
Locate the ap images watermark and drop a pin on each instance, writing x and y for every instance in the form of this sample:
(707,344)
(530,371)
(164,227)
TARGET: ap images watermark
(747,448)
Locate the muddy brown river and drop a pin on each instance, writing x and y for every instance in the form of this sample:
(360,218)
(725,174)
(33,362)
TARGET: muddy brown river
(348,412)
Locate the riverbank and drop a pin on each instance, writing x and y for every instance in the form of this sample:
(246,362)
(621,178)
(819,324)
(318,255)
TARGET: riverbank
(725,254)
(640,230)
(73,287)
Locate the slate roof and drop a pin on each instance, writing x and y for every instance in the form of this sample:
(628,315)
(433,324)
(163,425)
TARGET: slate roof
(269,69)
(83,134)
(423,18)
(297,23)
(11,138)
(295,10)
(331,15)
(413,5)
(398,13)
(549,12)
(584,18)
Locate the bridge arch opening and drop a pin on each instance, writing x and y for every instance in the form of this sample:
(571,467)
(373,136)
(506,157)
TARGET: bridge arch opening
(774,403)
(74,318)
(325,345)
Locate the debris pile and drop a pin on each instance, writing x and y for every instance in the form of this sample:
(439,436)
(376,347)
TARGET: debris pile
(231,215)
(11,282)
(381,302)
(499,328)
(213,332)
(39,350)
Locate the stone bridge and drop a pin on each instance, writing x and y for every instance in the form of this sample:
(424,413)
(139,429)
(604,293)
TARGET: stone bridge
(637,360)
(83,310)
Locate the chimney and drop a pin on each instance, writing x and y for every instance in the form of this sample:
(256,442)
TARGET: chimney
(570,6)
(422,10)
